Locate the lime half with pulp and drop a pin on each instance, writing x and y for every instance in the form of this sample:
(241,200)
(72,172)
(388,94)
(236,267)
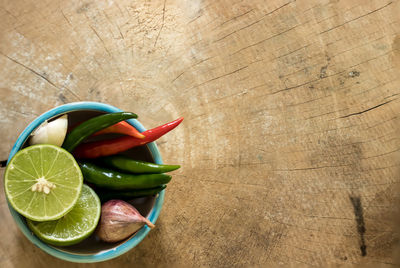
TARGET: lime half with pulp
(72,228)
(43,182)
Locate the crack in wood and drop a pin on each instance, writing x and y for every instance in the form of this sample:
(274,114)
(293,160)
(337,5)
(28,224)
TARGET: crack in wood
(381,85)
(234,18)
(269,38)
(101,40)
(291,52)
(179,75)
(311,168)
(392,94)
(247,26)
(332,112)
(9,13)
(116,25)
(238,70)
(162,25)
(41,76)
(396,150)
(369,13)
(120,10)
(65,17)
(366,110)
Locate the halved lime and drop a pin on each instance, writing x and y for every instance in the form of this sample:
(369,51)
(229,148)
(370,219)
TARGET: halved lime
(72,228)
(43,182)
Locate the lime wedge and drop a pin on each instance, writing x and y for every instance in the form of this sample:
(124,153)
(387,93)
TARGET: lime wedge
(43,182)
(77,225)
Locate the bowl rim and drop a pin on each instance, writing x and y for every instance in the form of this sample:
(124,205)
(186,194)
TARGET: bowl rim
(103,255)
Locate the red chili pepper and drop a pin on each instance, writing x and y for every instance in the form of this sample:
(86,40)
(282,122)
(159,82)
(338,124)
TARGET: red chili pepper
(122,127)
(114,146)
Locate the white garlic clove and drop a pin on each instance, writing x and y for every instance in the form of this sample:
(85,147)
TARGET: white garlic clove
(52,132)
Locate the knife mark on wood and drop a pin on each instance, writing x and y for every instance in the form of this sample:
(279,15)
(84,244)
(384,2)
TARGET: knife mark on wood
(162,24)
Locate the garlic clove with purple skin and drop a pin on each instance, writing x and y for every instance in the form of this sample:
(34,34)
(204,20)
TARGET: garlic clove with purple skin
(119,220)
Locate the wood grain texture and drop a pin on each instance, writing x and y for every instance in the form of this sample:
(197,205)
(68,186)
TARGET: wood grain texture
(290,144)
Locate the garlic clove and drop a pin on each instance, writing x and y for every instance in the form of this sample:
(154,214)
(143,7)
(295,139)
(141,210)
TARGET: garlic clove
(119,220)
(52,132)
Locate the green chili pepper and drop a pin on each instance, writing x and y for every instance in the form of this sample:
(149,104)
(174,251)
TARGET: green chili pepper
(126,164)
(87,128)
(106,195)
(111,179)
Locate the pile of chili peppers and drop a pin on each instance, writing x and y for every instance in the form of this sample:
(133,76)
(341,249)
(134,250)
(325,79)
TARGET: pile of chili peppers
(115,176)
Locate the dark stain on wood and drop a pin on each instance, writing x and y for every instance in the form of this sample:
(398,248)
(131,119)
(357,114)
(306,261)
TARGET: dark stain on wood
(358,212)
(83,8)
(62,98)
(322,73)
(354,73)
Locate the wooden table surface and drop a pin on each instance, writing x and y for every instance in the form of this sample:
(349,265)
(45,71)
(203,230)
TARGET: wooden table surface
(290,143)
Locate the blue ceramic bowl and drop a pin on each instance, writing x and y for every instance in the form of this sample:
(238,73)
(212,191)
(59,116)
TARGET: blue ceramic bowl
(84,254)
